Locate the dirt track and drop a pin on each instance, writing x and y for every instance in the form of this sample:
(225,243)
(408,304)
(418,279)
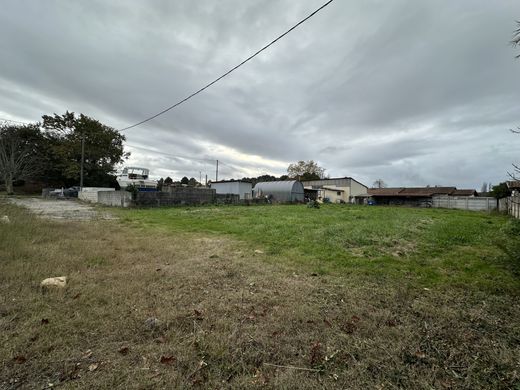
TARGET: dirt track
(60,209)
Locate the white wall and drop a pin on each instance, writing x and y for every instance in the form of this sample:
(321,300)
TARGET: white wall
(332,194)
(357,189)
(465,203)
(238,188)
(115,198)
(90,194)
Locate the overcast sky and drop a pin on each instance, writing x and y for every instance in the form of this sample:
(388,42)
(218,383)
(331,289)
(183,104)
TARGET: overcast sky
(413,92)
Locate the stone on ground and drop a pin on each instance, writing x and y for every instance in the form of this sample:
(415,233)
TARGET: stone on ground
(56,282)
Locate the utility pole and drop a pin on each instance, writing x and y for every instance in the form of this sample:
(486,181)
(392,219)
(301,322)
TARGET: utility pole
(206,180)
(216,173)
(82,162)
(200,177)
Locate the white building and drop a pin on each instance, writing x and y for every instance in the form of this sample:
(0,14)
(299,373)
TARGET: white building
(237,187)
(336,190)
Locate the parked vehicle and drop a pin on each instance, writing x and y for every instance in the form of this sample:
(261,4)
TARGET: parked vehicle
(62,193)
(137,177)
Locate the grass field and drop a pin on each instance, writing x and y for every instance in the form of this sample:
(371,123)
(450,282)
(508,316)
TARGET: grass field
(260,297)
(424,247)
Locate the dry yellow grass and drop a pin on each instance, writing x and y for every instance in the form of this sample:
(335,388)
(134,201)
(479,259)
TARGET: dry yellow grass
(228,317)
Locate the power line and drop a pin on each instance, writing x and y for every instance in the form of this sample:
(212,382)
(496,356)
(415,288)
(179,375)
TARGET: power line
(171,155)
(229,71)
(205,160)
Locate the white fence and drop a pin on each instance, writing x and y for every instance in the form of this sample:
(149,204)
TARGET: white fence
(513,206)
(465,203)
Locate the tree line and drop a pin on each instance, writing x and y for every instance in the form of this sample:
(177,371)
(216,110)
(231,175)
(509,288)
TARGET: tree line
(49,152)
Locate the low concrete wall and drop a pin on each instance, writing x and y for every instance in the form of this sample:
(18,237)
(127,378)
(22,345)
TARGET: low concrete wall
(90,194)
(229,199)
(175,196)
(465,203)
(115,198)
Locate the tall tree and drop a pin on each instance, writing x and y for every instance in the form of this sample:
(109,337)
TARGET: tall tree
(103,148)
(305,170)
(19,153)
(160,184)
(185,180)
(379,183)
(516,37)
(500,191)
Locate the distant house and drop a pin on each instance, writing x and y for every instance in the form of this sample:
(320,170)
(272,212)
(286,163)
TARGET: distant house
(464,193)
(514,186)
(333,194)
(236,187)
(414,196)
(337,190)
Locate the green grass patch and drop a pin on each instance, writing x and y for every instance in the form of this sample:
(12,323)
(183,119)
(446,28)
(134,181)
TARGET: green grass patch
(424,246)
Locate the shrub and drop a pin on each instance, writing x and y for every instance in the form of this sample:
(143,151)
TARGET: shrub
(313,204)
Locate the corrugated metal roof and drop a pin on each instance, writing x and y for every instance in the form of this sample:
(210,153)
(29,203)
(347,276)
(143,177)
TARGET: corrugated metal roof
(384,191)
(426,191)
(419,191)
(331,179)
(279,186)
(464,193)
(330,188)
(230,181)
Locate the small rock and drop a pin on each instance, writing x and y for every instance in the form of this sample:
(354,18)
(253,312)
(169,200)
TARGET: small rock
(56,282)
(87,354)
(5,219)
(152,323)
(259,251)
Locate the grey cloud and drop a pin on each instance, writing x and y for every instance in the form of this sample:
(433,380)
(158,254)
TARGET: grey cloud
(413,92)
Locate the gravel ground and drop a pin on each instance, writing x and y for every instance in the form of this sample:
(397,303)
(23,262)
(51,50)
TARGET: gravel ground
(60,209)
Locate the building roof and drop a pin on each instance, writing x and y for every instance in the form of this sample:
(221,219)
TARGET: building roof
(384,191)
(335,178)
(513,184)
(419,191)
(426,191)
(230,181)
(279,186)
(333,188)
(464,193)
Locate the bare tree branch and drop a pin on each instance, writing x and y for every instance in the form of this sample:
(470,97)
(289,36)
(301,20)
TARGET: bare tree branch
(516,38)
(18,160)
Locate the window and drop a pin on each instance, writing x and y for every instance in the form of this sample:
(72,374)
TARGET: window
(338,193)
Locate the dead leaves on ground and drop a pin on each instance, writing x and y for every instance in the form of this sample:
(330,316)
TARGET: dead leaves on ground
(168,360)
(19,359)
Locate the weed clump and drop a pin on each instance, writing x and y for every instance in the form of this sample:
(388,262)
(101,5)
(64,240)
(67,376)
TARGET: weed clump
(509,243)
(313,204)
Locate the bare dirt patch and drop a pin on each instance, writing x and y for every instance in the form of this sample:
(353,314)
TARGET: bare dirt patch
(60,209)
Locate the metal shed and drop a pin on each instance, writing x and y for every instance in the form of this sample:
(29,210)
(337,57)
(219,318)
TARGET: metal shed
(238,187)
(280,191)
